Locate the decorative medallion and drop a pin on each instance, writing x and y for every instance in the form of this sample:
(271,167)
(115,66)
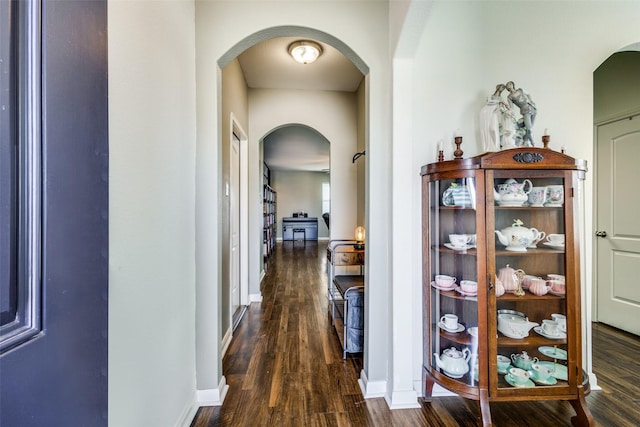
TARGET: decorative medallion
(528,157)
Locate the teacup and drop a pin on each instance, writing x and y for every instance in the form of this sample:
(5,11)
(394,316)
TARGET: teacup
(557,286)
(538,196)
(555,195)
(445,281)
(540,372)
(534,242)
(520,376)
(450,321)
(503,362)
(538,286)
(459,240)
(555,239)
(561,319)
(559,277)
(550,327)
(469,286)
(528,278)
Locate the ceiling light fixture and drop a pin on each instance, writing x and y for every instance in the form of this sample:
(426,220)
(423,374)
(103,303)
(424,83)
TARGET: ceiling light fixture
(305,51)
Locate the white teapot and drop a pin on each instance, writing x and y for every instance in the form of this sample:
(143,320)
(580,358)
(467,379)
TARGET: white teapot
(512,193)
(517,238)
(454,362)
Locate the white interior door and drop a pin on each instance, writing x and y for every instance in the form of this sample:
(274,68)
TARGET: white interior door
(618,227)
(234,216)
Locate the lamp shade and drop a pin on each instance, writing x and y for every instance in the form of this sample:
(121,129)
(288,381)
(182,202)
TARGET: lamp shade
(305,51)
(360,234)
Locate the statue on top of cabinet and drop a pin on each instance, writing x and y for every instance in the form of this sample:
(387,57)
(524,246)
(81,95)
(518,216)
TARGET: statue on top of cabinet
(499,128)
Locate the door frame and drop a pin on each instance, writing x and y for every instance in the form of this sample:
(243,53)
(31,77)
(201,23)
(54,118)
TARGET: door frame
(237,129)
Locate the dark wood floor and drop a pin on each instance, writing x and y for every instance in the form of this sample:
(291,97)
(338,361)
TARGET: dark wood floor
(284,367)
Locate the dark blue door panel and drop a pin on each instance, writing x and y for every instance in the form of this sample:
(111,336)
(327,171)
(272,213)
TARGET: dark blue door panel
(59,378)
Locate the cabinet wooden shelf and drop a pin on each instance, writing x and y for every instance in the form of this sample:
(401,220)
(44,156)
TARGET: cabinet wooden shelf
(463,197)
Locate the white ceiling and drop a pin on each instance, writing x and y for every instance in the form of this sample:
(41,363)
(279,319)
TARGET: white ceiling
(268,65)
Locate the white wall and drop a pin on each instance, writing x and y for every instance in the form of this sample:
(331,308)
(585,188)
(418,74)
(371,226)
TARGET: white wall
(334,116)
(151,213)
(299,190)
(234,103)
(467,48)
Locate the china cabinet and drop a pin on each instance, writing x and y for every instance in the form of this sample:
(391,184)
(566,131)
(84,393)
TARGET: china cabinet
(501,278)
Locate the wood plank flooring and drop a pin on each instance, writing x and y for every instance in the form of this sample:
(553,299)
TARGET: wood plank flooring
(284,367)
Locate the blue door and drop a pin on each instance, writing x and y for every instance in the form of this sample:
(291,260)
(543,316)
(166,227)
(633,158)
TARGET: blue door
(55,374)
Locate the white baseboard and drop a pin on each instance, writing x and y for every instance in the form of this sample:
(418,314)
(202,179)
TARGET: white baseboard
(213,396)
(226,340)
(405,399)
(593,382)
(188,413)
(371,389)
(255,297)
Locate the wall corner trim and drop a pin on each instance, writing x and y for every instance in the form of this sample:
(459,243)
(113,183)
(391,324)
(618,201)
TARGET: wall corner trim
(213,396)
(402,399)
(371,389)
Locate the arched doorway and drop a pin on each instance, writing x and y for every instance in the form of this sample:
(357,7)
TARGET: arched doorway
(617,144)
(356,119)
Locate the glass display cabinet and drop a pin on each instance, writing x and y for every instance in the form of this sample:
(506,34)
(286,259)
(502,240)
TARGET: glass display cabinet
(501,278)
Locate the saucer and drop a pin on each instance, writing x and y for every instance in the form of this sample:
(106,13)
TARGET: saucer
(459,248)
(443,288)
(553,352)
(558,294)
(554,245)
(467,294)
(548,381)
(557,370)
(505,371)
(459,329)
(512,383)
(560,335)
(473,331)
(452,375)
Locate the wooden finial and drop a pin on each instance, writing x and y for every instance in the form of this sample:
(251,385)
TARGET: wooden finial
(458,153)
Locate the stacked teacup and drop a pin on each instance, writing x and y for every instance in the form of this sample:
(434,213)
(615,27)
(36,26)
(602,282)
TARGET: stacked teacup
(462,241)
(556,283)
(445,282)
(555,241)
(469,287)
(561,320)
(449,322)
(541,373)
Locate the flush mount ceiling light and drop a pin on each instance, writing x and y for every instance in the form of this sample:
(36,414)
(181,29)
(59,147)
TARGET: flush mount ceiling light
(305,51)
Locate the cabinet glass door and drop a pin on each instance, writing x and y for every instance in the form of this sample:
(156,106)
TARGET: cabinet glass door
(453,287)
(529,212)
